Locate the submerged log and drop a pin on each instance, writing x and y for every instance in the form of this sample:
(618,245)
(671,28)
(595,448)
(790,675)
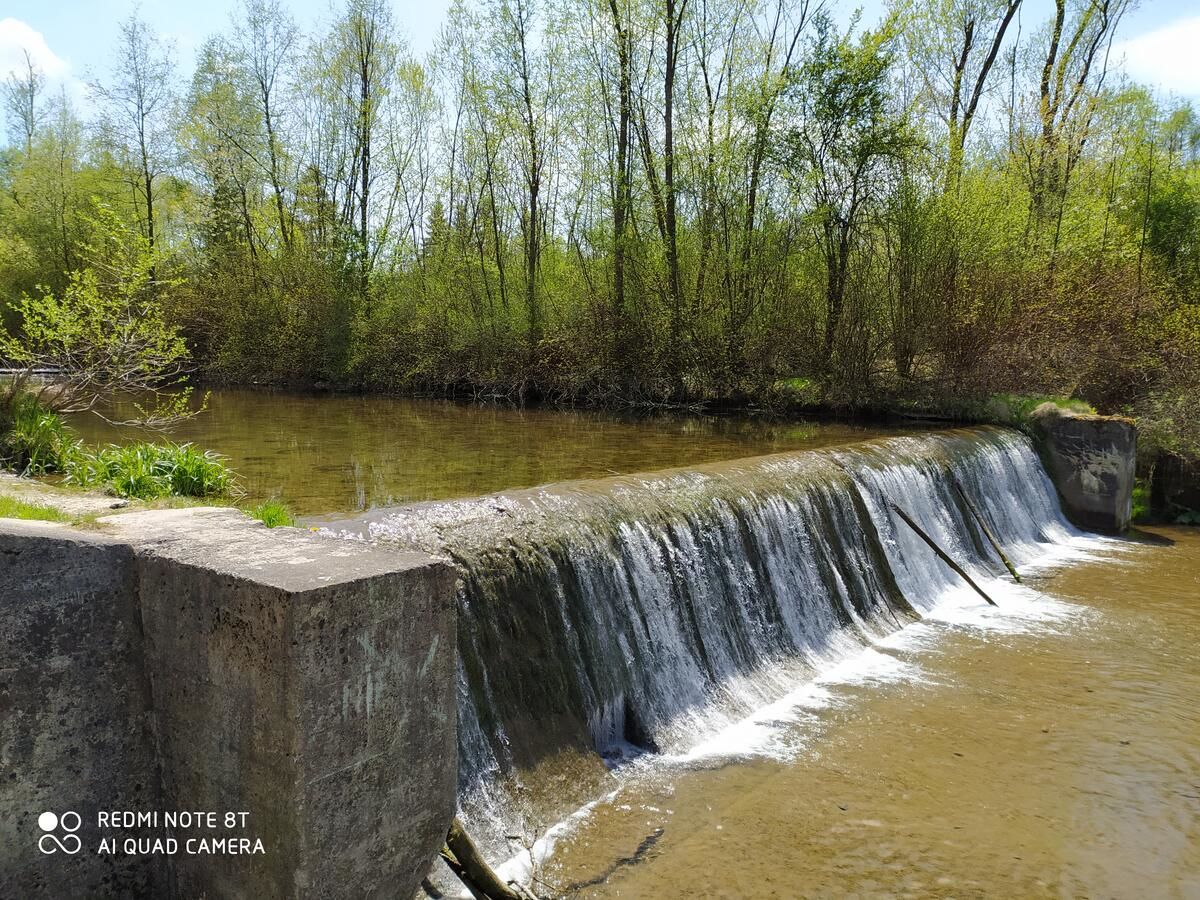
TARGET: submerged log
(464,859)
(987,532)
(941,554)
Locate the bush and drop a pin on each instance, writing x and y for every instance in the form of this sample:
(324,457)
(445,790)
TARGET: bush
(273,513)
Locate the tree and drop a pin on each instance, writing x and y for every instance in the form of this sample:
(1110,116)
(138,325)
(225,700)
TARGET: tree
(267,39)
(104,335)
(368,56)
(838,149)
(526,88)
(1072,72)
(137,106)
(955,44)
(20,94)
(622,199)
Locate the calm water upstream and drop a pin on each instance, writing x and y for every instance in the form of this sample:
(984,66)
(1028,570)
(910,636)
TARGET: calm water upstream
(339,453)
(1054,752)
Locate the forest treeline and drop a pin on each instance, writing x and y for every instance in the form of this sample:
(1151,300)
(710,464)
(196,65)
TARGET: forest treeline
(638,201)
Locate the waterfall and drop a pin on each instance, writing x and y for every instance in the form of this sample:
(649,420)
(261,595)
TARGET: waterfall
(640,614)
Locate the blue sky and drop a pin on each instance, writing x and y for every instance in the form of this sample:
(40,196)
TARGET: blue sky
(71,39)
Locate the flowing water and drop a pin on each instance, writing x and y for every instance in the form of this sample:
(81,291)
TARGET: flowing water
(324,453)
(654,662)
(1051,749)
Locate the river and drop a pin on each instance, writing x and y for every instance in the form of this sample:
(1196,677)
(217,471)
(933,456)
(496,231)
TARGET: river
(1052,750)
(746,677)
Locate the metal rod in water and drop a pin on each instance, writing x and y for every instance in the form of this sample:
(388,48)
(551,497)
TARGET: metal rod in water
(942,554)
(987,532)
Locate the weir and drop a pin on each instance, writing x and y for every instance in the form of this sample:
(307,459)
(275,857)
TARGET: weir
(194,660)
(602,620)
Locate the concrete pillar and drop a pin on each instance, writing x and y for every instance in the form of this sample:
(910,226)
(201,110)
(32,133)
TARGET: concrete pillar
(305,681)
(1092,461)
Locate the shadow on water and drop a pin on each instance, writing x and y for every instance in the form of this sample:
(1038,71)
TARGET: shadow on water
(639,855)
(1137,535)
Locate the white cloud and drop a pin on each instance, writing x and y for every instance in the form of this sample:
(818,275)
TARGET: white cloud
(1168,57)
(16,37)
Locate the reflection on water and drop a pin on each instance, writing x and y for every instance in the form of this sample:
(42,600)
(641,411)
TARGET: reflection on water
(1059,757)
(339,453)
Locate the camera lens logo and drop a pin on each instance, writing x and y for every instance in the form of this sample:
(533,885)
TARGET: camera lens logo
(50,842)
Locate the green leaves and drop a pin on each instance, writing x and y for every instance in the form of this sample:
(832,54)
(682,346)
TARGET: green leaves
(106,332)
(35,441)
(150,471)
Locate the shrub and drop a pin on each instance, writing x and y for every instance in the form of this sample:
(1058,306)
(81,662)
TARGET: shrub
(273,513)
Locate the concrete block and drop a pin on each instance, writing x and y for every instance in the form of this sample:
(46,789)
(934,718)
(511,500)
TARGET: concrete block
(1092,461)
(306,681)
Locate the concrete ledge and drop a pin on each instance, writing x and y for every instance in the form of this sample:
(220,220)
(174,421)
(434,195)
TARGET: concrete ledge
(304,680)
(1092,461)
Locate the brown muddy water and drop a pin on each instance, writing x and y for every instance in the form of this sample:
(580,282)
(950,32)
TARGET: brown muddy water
(1057,756)
(324,453)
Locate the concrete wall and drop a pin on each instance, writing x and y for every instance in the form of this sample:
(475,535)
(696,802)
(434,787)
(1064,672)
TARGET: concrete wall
(306,681)
(75,731)
(1092,461)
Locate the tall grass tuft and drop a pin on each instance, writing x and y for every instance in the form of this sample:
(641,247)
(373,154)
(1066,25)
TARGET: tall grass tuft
(273,514)
(35,441)
(198,473)
(149,471)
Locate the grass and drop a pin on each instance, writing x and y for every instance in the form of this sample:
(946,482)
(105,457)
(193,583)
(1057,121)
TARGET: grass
(150,471)
(1016,409)
(36,441)
(273,514)
(12,508)
(799,391)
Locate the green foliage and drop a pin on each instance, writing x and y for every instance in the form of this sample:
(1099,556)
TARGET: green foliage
(135,470)
(840,208)
(198,473)
(1141,501)
(273,514)
(35,441)
(798,391)
(12,508)
(1016,409)
(106,332)
(150,471)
